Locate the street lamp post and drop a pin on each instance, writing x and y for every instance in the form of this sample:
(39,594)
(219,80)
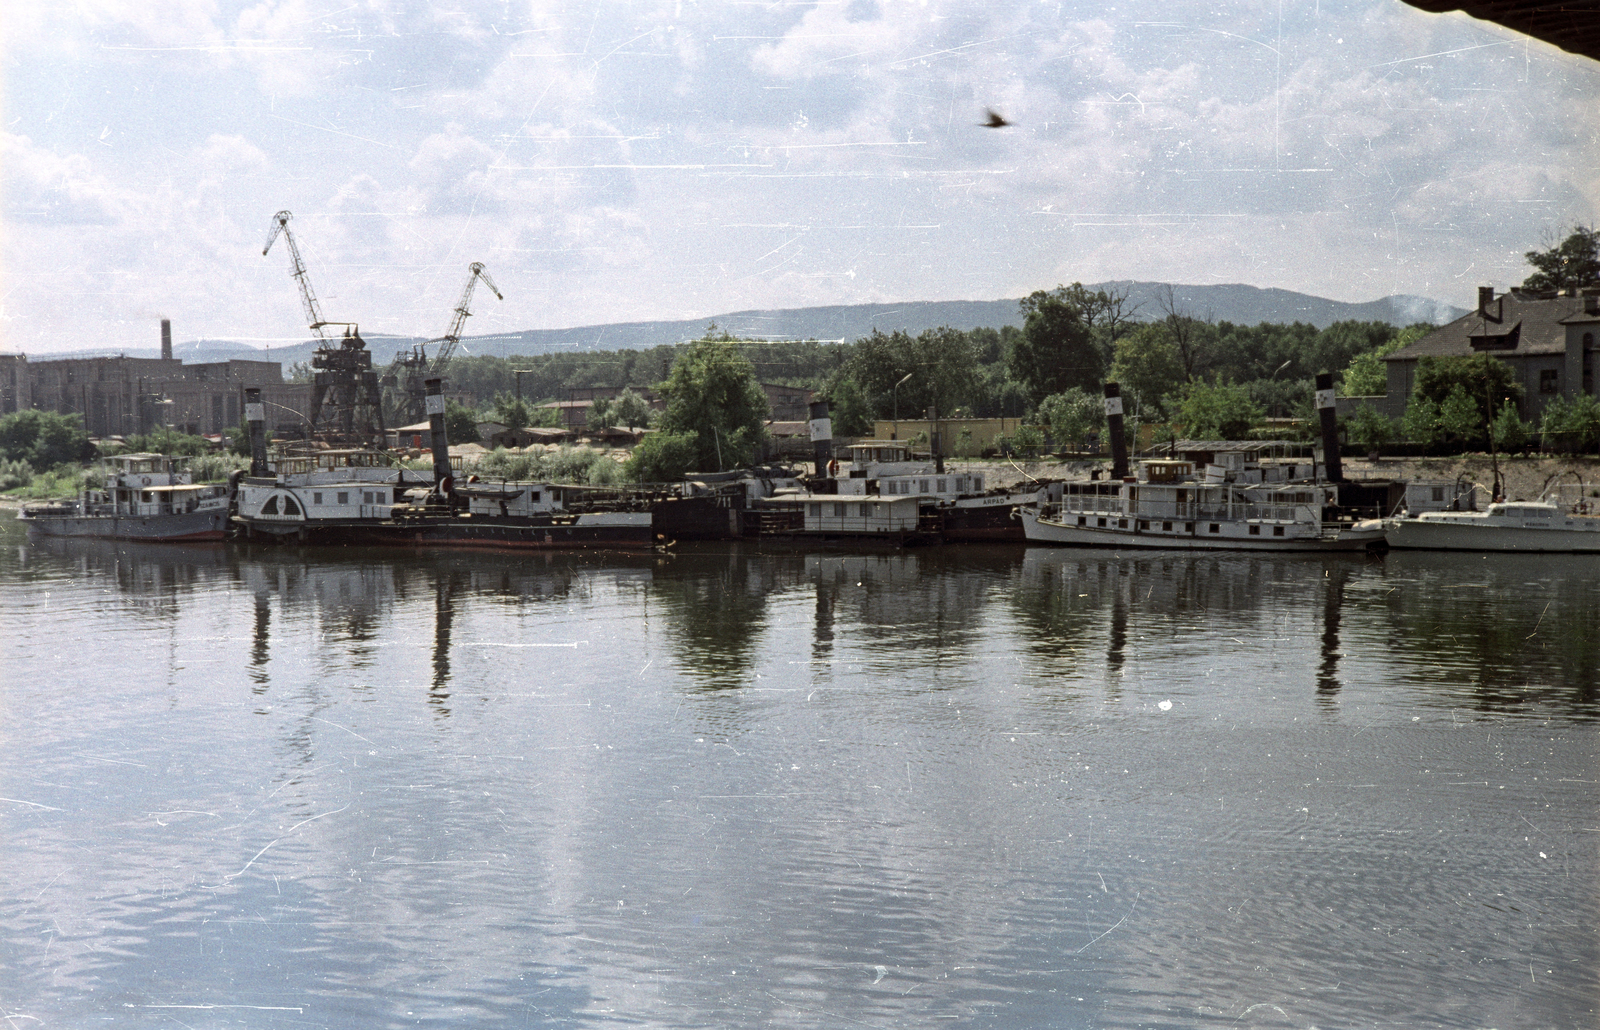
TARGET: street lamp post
(894,434)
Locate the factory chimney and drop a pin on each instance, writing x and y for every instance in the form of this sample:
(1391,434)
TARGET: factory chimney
(166,339)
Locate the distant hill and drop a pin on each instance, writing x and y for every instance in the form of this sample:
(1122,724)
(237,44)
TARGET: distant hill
(1237,303)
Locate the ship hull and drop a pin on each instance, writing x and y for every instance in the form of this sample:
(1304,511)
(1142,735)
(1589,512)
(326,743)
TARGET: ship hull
(1358,537)
(628,531)
(193,526)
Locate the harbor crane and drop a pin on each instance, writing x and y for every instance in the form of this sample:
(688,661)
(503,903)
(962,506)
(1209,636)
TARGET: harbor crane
(410,370)
(308,300)
(346,402)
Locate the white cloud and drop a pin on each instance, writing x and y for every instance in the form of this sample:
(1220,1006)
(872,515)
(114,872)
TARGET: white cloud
(43,186)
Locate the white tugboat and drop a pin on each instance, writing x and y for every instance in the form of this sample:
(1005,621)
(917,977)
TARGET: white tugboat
(145,497)
(321,497)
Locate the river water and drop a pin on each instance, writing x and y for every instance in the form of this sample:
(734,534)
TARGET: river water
(964,786)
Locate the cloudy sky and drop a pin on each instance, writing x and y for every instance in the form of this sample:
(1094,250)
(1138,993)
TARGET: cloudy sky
(612,161)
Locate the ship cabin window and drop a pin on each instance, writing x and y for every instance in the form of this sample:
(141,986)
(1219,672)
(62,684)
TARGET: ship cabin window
(534,497)
(1100,522)
(1188,527)
(1277,530)
(1143,524)
(1215,528)
(863,511)
(1255,530)
(289,507)
(814,510)
(316,498)
(271,507)
(1166,527)
(839,509)
(344,497)
(922,485)
(1122,523)
(939,487)
(1438,494)
(1083,520)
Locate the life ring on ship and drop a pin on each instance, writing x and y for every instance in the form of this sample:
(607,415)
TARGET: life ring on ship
(145,480)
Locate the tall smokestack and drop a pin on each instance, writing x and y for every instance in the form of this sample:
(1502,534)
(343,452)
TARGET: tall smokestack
(166,339)
(434,398)
(1328,412)
(821,436)
(255,413)
(1119,440)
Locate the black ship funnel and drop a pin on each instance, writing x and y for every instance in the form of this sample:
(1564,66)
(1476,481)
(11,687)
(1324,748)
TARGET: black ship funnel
(821,437)
(255,415)
(1328,412)
(1119,439)
(434,398)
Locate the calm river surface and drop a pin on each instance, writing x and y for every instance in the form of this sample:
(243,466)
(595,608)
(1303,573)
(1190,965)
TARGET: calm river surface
(969,786)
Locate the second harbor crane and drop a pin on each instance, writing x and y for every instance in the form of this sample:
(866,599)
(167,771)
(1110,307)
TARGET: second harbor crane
(410,371)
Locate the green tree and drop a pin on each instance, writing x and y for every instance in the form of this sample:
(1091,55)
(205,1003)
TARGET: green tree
(713,396)
(1369,427)
(1056,350)
(1571,426)
(631,410)
(1148,366)
(941,365)
(170,441)
(512,412)
(1421,422)
(44,439)
(663,457)
(1486,381)
(1216,411)
(460,423)
(1509,432)
(599,414)
(1461,418)
(1367,374)
(1071,416)
(848,408)
(1571,264)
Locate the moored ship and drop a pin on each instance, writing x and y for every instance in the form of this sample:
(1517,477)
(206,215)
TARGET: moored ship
(144,497)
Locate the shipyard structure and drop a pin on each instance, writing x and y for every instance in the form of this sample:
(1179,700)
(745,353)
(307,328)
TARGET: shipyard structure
(122,396)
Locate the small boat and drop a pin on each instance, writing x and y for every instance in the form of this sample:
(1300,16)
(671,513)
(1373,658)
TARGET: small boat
(145,497)
(1528,526)
(1168,508)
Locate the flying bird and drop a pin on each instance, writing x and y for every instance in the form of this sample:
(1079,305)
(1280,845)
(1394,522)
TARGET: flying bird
(995,121)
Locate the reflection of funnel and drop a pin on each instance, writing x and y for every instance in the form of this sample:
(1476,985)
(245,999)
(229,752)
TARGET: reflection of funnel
(443,619)
(1332,608)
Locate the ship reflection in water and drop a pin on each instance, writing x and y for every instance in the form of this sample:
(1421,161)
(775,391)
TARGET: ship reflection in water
(991,785)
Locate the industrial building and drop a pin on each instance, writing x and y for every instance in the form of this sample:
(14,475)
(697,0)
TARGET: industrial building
(122,396)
